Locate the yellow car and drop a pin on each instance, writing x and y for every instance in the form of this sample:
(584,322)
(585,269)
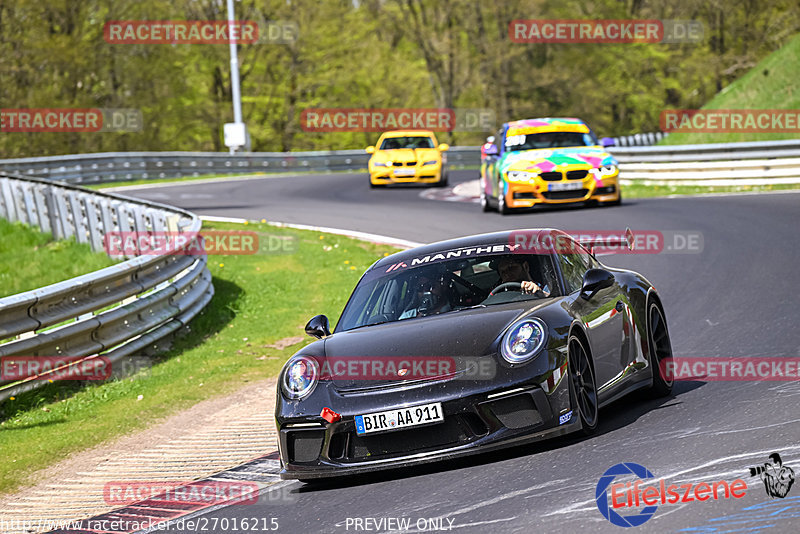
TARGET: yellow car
(408,156)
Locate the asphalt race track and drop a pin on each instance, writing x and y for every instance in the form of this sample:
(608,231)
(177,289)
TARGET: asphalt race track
(735,298)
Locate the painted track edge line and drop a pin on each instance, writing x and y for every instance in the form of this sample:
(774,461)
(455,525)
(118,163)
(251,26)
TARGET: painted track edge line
(364,236)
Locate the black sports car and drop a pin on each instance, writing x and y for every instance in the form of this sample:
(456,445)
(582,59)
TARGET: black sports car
(464,346)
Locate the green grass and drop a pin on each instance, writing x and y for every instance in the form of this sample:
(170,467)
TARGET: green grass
(258,299)
(772,84)
(53,261)
(649,191)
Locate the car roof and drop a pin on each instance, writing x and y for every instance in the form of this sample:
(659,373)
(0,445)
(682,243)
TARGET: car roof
(478,240)
(546,121)
(400,133)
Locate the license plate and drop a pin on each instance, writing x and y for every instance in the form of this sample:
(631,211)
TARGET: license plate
(404,172)
(566,186)
(399,418)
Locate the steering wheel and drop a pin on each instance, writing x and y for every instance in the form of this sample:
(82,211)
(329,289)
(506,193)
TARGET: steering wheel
(508,286)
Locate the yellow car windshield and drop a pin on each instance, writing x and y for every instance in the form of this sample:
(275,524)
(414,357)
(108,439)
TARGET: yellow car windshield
(394,143)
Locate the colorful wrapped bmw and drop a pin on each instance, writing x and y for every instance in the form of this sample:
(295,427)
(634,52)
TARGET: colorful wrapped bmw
(547,161)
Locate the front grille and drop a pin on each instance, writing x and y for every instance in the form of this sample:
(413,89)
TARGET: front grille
(404,163)
(455,430)
(551,176)
(577,175)
(565,195)
(517,411)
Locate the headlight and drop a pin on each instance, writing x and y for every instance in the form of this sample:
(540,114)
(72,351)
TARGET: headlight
(300,376)
(519,176)
(380,164)
(524,340)
(606,170)
(432,162)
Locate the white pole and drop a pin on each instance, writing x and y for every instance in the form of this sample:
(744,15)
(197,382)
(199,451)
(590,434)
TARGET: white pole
(237,99)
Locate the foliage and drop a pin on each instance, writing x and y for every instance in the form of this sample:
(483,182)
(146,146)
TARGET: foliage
(365,53)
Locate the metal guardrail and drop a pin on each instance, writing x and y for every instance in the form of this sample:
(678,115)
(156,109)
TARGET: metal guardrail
(115,312)
(121,166)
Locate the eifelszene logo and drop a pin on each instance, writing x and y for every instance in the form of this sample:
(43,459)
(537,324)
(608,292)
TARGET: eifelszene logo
(636,494)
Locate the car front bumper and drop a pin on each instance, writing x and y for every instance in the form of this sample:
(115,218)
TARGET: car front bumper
(526,195)
(426,174)
(476,420)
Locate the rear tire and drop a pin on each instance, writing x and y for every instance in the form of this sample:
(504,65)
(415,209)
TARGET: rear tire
(485,207)
(584,385)
(660,349)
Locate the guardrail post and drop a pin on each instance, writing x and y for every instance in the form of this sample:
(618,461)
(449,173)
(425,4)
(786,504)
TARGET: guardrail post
(10,208)
(42,209)
(93,223)
(63,215)
(77,218)
(30,208)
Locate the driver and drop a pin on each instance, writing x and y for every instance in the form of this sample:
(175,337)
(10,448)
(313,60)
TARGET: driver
(430,296)
(515,269)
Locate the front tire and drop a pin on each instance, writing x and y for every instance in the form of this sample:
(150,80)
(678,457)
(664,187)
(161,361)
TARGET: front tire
(502,209)
(584,385)
(660,349)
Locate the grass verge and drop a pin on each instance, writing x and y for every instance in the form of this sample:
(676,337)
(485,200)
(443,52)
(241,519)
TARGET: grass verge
(771,84)
(649,191)
(30,259)
(259,299)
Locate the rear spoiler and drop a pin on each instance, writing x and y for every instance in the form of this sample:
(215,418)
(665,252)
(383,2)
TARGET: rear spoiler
(610,241)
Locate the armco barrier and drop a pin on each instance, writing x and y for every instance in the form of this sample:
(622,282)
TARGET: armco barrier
(738,160)
(133,306)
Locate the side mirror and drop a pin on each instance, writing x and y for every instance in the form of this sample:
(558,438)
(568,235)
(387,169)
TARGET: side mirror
(318,327)
(491,150)
(444,147)
(594,280)
(370,150)
(608,141)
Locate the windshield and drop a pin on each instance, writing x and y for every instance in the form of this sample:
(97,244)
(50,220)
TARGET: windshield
(447,287)
(549,140)
(393,143)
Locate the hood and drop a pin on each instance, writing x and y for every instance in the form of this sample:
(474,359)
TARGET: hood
(418,155)
(461,334)
(547,159)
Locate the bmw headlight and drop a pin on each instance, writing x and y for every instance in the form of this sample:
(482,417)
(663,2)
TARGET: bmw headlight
(431,162)
(520,176)
(378,164)
(605,170)
(524,340)
(300,376)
